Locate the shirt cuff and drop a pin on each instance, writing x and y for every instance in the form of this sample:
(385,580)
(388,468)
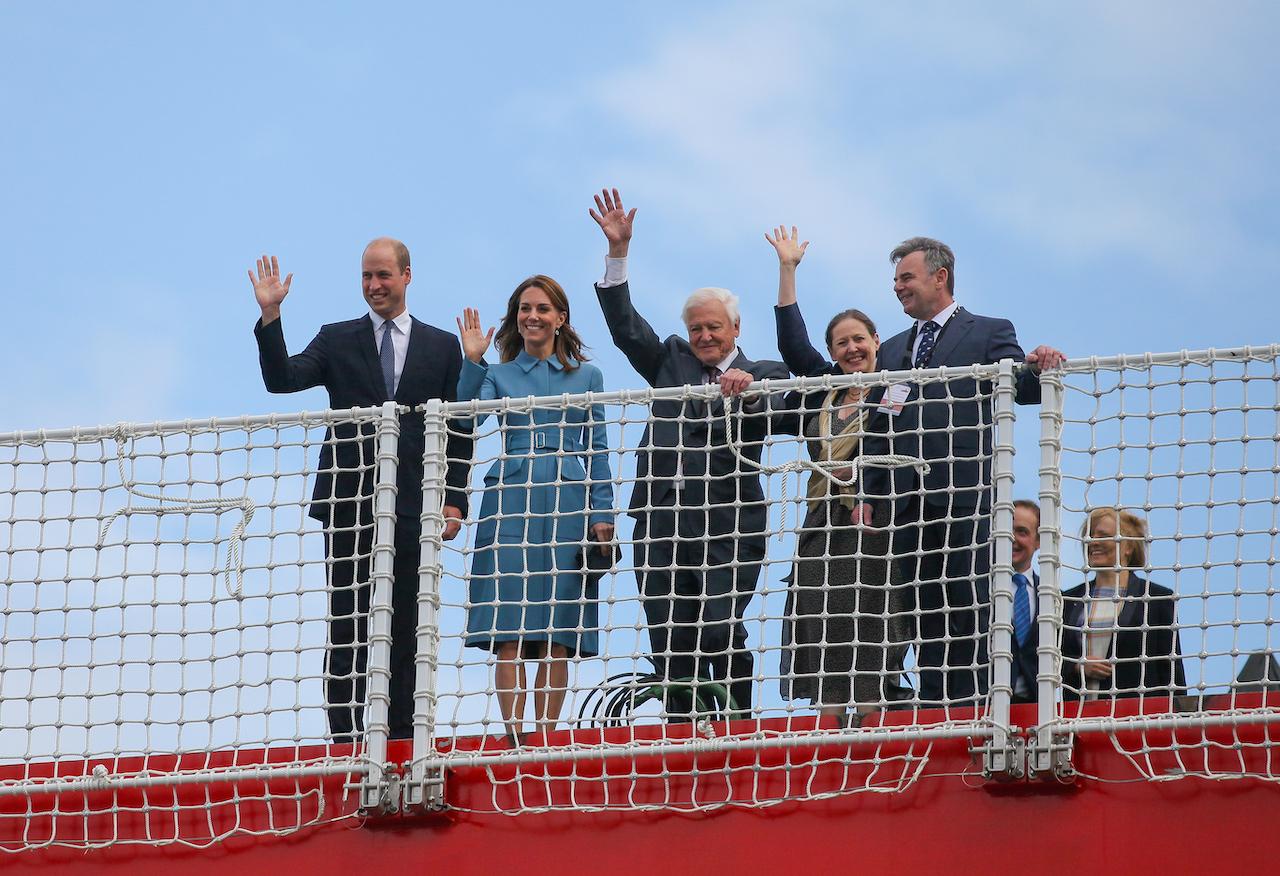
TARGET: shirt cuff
(615,272)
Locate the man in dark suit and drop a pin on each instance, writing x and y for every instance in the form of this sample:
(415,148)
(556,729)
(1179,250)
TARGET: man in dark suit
(381,356)
(1026,638)
(700,512)
(942,521)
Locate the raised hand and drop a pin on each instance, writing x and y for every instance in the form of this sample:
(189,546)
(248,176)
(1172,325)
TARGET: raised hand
(475,341)
(267,287)
(790,250)
(614,221)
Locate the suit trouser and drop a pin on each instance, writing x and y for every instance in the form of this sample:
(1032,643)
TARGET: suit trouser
(950,560)
(349,551)
(695,616)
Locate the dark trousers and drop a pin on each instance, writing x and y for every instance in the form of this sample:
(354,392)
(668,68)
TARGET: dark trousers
(349,551)
(950,562)
(695,616)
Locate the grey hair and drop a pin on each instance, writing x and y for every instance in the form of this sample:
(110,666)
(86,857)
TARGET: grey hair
(937,255)
(707,295)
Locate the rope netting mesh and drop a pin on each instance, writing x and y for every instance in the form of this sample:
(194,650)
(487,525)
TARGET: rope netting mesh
(165,614)
(1170,538)
(745,618)
(660,599)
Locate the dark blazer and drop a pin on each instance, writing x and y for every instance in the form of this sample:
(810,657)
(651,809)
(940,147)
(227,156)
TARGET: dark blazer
(1026,663)
(673,363)
(963,404)
(343,358)
(1148,662)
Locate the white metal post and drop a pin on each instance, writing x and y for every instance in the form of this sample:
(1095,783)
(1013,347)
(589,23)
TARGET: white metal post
(424,787)
(1049,755)
(374,789)
(1003,757)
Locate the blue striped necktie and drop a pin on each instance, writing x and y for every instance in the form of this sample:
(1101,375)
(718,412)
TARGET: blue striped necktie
(1021,607)
(387,356)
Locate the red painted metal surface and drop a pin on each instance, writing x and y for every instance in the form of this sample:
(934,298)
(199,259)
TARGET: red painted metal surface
(950,820)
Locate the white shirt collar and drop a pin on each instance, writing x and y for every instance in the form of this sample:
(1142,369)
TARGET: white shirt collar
(727,362)
(941,318)
(402,322)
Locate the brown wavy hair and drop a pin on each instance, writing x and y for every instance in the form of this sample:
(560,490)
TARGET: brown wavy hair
(568,346)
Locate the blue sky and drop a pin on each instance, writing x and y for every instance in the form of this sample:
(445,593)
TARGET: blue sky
(1105,173)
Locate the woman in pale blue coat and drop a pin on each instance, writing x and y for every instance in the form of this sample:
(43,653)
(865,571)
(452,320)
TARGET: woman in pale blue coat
(528,594)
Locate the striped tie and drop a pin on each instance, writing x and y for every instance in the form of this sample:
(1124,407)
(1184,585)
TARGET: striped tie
(1021,607)
(387,357)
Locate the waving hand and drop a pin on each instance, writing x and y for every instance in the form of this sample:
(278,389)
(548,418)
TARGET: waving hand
(268,289)
(614,221)
(475,341)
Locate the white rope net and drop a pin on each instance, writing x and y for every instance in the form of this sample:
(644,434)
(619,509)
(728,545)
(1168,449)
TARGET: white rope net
(165,614)
(212,628)
(745,639)
(1170,647)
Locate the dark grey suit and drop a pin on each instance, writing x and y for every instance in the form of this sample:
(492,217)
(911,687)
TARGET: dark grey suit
(343,358)
(694,504)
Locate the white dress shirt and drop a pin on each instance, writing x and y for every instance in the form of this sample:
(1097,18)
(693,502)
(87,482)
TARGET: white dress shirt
(400,327)
(615,272)
(940,318)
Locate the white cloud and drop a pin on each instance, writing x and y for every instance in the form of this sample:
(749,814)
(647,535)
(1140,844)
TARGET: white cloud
(1084,134)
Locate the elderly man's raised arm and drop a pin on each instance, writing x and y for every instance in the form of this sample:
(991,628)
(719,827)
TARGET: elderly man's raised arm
(631,333)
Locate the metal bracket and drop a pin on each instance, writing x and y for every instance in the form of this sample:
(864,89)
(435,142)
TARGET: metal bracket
(427,794)
(1007,763)
(1052,761)
(1026,757)
(382,797)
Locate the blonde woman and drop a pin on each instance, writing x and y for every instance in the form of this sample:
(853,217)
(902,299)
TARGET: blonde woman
(1119,630)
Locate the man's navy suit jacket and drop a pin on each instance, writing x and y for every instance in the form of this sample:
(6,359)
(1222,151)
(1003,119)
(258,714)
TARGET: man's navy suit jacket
(343,358)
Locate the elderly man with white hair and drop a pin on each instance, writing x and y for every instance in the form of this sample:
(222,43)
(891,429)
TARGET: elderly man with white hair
(700,511)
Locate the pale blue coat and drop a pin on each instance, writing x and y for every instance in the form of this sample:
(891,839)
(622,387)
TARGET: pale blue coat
(527,584)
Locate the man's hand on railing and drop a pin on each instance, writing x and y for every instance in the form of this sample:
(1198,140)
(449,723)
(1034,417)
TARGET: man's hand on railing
(452,522)
(1043,357)
(735,381)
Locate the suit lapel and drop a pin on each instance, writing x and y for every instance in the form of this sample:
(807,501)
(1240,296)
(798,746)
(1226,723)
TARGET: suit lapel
(1134,606)
(1073,611)
(369,355)
(894,353)
(952,333)
(693,374)
(415,364)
